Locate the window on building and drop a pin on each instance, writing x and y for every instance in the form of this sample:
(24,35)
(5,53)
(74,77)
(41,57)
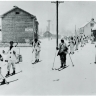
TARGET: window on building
(17,12)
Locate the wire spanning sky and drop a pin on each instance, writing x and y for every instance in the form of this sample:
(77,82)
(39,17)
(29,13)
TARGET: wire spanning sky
(71,13)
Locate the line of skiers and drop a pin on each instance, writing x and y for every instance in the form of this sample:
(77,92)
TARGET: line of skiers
(12,57)
(74,43)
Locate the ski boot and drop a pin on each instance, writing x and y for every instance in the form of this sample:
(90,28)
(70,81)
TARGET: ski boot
(38,60)
(3,82)
(61,66)
(13,72)
(65,66)
(7,74)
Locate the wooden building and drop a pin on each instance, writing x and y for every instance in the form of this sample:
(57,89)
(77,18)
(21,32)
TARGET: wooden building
(18,25)
(86,29)
(47,34)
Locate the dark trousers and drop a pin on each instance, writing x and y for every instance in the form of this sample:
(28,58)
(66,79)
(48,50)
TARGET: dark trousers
(63,59)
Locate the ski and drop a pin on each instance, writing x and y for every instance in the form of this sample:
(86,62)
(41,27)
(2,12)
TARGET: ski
(60,68)
(8,82)
(13,74)
(57,68)
(36,62)
(63,68)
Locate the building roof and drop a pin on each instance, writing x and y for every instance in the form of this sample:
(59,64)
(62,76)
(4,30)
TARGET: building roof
(15,7)
(86,23)
(47,32)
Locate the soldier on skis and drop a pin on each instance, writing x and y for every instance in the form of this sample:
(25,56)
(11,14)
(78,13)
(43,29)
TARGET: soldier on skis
(77,43)
(62,53)
(71,44)
(37,49)
(82,41)
(11,54)
(3,79)
(1,76)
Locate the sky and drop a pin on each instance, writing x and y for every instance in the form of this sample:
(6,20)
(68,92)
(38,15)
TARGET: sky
(71,13)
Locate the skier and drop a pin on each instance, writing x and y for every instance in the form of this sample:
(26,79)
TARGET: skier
(74,40)
(11,58)
(1,76)
(3,79)
(37,49)
(71,44)
(82,41)
(77,43)
(63,49)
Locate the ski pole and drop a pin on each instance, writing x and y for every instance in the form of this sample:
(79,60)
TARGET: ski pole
(71,61)
(54,60)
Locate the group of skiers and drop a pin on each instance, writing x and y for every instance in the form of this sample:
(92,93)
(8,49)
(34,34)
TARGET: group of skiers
(75,41)
(63,48)
(73,45)
(12,58)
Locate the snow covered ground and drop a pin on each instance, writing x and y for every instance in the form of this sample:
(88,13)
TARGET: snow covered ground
(40,79)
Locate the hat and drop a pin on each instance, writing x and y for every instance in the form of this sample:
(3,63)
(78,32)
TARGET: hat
(62,40)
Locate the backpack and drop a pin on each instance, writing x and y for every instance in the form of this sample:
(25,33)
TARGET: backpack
(64,51)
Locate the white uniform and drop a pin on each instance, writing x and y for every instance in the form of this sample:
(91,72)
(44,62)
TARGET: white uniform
(82,42)
(71,46)
(77,43)
(37,49)
(1,65)
(11,57)
(1,77)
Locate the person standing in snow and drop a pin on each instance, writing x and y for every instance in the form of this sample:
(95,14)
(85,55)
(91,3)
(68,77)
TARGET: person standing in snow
(37,49)
(1,76)
(71,44)
(11,58)
(63,49)
(77,43)
(74,40)
(82,41)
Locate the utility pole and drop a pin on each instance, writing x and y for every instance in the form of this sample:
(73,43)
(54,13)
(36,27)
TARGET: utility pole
(49,27)
(57,3)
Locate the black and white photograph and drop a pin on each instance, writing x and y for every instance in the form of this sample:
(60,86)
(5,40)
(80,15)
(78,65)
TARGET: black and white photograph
(47,48)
